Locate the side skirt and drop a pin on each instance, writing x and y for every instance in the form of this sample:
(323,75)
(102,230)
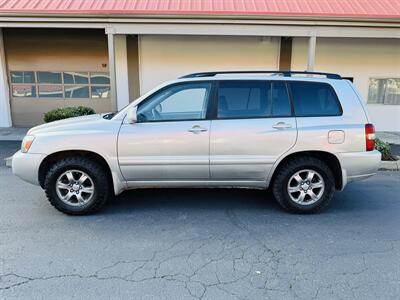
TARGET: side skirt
(196,184)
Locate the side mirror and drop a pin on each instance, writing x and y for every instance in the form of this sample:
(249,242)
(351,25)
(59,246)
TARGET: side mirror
(131,115)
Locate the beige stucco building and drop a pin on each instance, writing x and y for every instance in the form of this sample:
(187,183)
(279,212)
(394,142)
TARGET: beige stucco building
(52,59)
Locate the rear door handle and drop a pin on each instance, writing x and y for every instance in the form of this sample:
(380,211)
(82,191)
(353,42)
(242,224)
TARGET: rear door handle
(197,129)
(282,125)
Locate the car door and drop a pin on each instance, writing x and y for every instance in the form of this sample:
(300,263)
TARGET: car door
(170,141)
(253,126)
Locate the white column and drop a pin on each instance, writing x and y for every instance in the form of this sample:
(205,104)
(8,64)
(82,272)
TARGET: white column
(111,69)
(5,110)
(118,67)
(311,53)
(121,70)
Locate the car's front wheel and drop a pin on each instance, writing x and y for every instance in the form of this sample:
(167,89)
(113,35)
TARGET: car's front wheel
(304,185)
(77,186)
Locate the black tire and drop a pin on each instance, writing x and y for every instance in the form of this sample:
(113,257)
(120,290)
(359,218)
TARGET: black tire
(102,186)
(287,170)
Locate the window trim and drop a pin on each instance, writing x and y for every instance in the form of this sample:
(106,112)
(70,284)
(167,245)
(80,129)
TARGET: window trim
(214,114)
(208,101)
(62,84)
(316,83)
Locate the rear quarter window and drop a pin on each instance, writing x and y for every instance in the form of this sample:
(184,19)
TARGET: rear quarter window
(314,99)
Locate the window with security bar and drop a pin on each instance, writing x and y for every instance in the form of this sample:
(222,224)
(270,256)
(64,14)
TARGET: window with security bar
(384,91)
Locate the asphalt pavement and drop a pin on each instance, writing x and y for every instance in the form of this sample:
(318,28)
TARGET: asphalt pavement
(200,244)
(395,149)
(8,148)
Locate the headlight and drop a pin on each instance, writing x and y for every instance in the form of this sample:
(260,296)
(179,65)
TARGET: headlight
(27,143)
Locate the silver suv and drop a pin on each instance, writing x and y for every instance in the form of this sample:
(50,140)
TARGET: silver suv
(304,135)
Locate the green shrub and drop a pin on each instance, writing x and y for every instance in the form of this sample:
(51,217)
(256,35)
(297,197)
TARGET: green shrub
(384,148)
(67,112)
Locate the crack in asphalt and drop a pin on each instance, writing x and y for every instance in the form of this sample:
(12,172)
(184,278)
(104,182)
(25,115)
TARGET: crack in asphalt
(240,262)
(264,257)
(154,264)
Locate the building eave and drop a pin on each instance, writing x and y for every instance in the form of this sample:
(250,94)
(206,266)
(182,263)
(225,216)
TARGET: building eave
(101,21)
(125,17)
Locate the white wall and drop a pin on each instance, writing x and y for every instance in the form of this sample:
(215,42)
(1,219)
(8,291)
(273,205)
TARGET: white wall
(361,59)
(5,109)
(168,57)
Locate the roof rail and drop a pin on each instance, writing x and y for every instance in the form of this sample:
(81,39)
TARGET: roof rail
(284,73)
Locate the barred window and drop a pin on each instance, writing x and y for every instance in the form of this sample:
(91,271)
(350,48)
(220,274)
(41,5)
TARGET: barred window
(60,85)
(384,91)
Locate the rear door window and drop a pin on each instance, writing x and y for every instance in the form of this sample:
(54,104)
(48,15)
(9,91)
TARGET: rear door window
(252,99)
(279,100)
(312,99)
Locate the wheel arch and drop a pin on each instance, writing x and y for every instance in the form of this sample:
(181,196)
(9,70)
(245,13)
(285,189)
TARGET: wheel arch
(330,159)
(53,157)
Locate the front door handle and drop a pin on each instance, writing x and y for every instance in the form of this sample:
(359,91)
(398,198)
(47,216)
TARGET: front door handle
(197,129)
(281,125)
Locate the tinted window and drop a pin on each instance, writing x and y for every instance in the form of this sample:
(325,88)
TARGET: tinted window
(76,91)
(314,99)
(50,91)
(22,77)
(100,91)
(47,84)
(24,91)
(99,78)
(75,77)
(241,99)
(49,77)
(178,102)
(279,99)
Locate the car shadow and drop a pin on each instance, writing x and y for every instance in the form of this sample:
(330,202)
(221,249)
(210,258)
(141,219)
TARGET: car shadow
(355,198)
(191,199)
(147,200)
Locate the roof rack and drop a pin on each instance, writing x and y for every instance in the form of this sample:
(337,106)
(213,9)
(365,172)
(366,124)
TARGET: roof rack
(284,73)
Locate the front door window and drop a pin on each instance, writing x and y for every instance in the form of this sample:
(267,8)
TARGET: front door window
(186,101)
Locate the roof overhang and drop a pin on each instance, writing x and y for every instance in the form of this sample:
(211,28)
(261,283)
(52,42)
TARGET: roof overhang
(342,10)
(215,24)
(199,16)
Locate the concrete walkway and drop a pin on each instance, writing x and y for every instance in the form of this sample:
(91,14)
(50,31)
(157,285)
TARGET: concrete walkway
(389,137)
(12,133)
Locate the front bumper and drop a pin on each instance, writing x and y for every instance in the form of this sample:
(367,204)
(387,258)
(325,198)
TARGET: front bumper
(359,165)
(26,166)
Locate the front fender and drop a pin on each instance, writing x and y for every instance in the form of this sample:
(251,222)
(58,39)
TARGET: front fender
(100,140)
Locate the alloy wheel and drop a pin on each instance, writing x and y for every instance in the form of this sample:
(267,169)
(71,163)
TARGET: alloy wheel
(306,187)
(75,188)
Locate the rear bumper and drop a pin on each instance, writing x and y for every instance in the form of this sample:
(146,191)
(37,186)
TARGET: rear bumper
(359,165)
(26,166)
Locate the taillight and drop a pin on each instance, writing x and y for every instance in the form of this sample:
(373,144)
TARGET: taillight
(370,137)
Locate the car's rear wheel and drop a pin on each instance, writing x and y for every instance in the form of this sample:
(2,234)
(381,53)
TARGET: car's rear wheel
(77,186)
(304,185)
